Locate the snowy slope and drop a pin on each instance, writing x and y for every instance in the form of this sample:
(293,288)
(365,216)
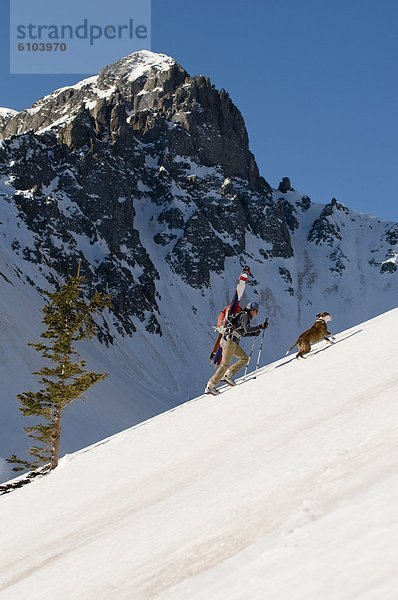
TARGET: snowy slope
(286,487)
(144,378)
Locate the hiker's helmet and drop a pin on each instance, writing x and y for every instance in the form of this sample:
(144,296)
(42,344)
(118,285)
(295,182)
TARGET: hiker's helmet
(253,306)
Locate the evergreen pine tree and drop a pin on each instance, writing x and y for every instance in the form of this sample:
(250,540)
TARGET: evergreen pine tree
(68,318)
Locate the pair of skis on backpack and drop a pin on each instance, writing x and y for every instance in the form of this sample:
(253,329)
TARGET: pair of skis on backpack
(231,309)
(225,319)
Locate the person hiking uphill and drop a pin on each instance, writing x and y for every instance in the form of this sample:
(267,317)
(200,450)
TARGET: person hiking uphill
(238,326)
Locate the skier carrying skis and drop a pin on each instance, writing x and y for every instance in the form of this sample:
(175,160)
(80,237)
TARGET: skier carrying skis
(237,326)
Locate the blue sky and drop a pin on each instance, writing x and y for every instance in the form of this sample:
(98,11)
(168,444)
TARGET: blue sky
(316,82)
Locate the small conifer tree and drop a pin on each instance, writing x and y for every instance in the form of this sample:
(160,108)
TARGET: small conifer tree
(68,318)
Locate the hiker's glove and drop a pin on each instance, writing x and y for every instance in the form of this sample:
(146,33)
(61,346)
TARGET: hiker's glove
(264,325)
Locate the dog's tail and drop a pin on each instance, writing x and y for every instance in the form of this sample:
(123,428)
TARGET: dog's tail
(291,348)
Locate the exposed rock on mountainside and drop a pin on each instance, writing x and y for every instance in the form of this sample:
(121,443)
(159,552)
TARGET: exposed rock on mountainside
(285,186)
(82,157)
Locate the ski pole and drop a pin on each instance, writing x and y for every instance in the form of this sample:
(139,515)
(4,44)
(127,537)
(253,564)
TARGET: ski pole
(259,352)
(250,357)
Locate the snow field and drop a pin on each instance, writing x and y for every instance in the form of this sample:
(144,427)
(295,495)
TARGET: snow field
(284,487)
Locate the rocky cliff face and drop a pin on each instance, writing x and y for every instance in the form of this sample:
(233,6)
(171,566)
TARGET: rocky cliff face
(143,130)
(145,174)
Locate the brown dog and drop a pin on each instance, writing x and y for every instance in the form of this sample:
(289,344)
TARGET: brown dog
(316,333)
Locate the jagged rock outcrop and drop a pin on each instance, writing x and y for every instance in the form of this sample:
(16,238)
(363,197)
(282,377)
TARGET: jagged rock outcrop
(143,131)
(285,186)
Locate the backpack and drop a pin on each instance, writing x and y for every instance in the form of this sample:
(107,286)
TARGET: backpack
(221,317)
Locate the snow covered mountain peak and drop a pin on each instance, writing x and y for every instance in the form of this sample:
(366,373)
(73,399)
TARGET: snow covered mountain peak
(136,74)
(139,63)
